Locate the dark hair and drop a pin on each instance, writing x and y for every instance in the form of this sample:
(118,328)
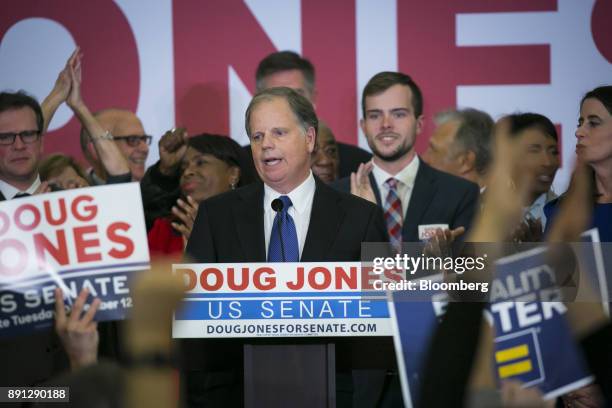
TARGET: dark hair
(284,61)
(299,105)
(55,163)
(18,100)
(522,121)
(603,94)
(382,81)
(225,149)
(474,134)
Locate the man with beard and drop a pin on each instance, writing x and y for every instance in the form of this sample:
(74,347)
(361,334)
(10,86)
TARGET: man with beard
(416,198)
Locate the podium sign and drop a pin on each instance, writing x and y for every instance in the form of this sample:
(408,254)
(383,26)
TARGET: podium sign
(329,299)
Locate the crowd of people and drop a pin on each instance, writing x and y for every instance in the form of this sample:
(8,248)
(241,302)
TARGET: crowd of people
(209,199)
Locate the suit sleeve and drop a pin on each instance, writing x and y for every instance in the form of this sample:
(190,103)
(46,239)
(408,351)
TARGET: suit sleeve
(201,246)
(466,208)
(159,194)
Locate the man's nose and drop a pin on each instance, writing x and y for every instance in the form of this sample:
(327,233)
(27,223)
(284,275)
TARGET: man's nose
(387,121)
(18,143)
(267,141)
(143,146)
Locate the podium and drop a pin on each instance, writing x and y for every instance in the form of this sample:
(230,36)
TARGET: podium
(301,372)
(299,335)
(296,375)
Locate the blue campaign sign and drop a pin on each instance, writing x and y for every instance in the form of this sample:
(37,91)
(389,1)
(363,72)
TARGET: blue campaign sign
(31,306)
(531,331)
(414,323)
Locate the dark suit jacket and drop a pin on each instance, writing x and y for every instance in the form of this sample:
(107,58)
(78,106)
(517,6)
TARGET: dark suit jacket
(437,198)
(230,228)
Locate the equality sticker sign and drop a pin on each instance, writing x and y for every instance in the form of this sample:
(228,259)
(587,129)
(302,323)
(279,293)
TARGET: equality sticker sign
(90,238)
(413,325)
(531,331)
(530,328)
(279,300)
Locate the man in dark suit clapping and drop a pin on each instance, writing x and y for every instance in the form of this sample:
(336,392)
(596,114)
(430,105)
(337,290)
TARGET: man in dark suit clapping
(416,198)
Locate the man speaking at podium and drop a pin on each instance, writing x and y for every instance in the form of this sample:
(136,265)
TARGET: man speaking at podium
(290,217)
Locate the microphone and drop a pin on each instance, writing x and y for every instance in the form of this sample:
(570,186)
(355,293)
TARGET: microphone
(278,205)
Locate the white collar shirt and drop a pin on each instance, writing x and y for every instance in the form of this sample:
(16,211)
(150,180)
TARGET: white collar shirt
(10,192)
(405,186)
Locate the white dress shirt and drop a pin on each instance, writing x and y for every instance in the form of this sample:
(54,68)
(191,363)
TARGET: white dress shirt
(405,186)
(301,198)
(10,192)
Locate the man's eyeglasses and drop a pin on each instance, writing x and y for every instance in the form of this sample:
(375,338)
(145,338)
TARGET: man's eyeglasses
(135,140)
(27,136)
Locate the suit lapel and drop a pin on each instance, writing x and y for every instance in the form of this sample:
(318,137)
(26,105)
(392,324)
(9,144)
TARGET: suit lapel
(248,216)
(325,218)
(422,194)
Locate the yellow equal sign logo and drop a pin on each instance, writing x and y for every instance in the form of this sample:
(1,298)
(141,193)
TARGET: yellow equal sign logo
(512,354)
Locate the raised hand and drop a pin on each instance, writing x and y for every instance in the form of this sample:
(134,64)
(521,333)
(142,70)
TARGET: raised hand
(79,334)
(59,93)
(186,212)
(172,148)
(61,89)
(360,182)
(440,244)
(507,187)
(75,99)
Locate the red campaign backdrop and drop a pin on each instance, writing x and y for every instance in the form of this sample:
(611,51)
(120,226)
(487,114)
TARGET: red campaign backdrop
(210,36)
(116,60)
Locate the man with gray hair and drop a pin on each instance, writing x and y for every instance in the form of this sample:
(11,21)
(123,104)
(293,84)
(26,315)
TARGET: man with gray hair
(461,144)
(288,217)
(287,68)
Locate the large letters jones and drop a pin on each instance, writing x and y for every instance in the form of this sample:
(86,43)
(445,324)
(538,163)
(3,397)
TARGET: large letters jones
(210,36)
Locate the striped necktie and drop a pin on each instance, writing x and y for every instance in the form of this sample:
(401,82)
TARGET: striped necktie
(393,215)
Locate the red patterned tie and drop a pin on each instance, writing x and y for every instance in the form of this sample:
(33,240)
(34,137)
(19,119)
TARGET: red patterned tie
(393,215)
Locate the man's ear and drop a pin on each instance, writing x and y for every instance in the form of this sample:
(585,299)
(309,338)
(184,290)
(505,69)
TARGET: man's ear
(467,162)
(311,138)
(362,125)
(420,120)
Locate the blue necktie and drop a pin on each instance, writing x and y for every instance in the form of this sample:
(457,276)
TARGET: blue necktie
(287,234)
